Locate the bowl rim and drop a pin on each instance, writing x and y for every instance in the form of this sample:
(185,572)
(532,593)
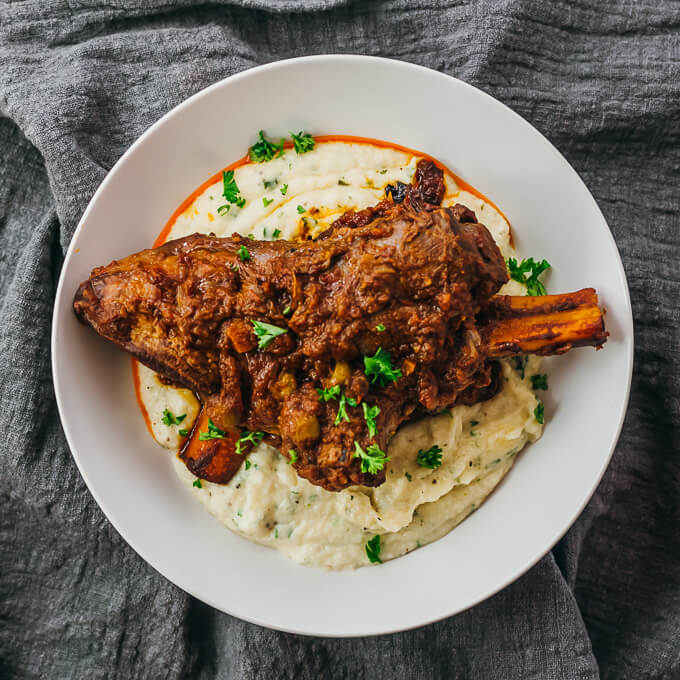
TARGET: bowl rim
(627,320)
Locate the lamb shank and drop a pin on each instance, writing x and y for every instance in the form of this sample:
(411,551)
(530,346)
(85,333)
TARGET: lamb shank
(327,346)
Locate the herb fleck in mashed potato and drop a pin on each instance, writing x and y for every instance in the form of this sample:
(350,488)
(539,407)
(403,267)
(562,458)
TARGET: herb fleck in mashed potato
(267,502)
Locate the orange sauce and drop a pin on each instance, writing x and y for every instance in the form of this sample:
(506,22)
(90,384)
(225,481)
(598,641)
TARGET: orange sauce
(138,394)
(160,240)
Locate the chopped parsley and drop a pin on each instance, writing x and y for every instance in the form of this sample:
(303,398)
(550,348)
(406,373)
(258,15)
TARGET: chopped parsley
(382,172)
(527,272)
(230,190)
(301,209)
(432,458)
(342,183)
(248,464)
(379,367)
(276,233)
(223,209)
(264,150)
(473,423)
(292,455)
(408,476)
(182,432)
(233,267)
(538,413)
(539,381)
(328,393)
(302,142)
(372,459)
(251,236)
(380,327)
(520,365)
(342,409)
(269,183)
(267,201)
(373,550)
(266,332)
(213,432)
(370,414)
(197,484)
(253,437)
(283,189)
(171,419)
(243,253)
(286,310)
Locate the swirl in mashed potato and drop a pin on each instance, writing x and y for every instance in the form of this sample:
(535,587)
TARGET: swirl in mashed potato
(267,502)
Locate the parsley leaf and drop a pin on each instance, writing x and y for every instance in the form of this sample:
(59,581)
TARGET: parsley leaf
(302,142)
(292,456)
(269,183)
(408,476)
(380,367)
(171,419)
(380,327)
(253,437)
(267,201)
(243,253)
(248,464)
(520,365)
(266,332)
(264,150)
(372,459)
(373,550)
(527,272)
(538,413)
(276,233)
(286,310)
(223,209)
(213,432)
(432,458)
(230,191)
(370,414)
(539,381)
(301,209)
(197,484)
(342,409)
(182,433)
(283,189)
(328,393)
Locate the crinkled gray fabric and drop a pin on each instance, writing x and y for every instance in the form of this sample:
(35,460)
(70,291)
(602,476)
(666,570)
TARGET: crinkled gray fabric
(79,81)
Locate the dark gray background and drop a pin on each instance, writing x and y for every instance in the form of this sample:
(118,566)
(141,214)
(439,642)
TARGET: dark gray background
(79,81)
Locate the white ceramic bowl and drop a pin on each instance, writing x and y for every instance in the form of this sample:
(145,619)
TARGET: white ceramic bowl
(553,216)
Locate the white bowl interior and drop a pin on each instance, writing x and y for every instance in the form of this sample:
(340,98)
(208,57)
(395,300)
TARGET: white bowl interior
(553,216)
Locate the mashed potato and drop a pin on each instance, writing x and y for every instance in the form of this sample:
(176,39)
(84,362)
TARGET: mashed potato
(268,503)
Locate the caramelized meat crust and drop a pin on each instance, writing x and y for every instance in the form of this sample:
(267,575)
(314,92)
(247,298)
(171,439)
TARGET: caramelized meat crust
(408,282)
(407,278)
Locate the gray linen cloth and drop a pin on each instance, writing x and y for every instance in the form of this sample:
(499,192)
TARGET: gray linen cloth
(80,80)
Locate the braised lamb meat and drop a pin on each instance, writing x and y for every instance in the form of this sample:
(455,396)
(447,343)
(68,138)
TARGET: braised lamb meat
(400,282)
